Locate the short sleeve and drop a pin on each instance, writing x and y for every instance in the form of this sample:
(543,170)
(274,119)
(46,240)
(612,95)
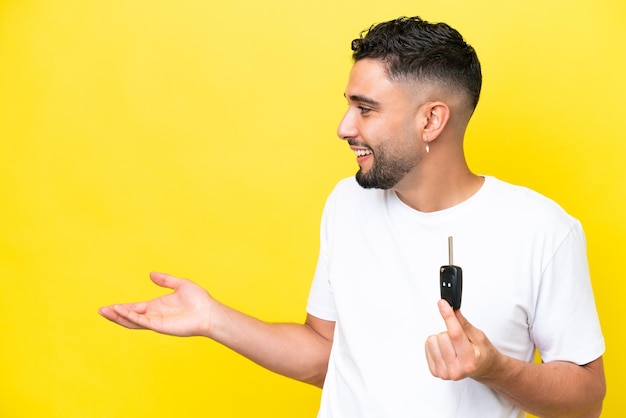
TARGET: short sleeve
(321,302)
(566,326)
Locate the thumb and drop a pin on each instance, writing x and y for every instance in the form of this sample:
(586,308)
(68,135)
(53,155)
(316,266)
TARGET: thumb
(465,324)
(462,320)
(165,280)
(473,334)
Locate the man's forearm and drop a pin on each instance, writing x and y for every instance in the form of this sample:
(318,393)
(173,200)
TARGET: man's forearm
(294,350)
(555,389)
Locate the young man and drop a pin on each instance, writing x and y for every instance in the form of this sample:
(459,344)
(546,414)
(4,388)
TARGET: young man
(371,311)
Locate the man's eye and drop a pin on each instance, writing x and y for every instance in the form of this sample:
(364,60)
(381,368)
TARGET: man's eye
(364,109)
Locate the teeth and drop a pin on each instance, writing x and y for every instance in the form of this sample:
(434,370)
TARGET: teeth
(362,152)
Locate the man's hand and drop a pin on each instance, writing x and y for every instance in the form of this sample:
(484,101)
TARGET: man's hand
(185,312)
(461,351)
(299,351)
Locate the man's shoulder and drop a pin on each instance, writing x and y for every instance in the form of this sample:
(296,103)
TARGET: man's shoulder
(518,194)
(524,202)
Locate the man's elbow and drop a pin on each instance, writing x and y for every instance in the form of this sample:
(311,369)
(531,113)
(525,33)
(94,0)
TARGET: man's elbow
(596,408)
(596,392)
(316,375)
(317,381)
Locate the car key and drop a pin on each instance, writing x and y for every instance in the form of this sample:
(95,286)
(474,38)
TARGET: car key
(451,280)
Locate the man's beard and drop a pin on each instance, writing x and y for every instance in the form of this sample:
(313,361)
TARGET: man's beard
(386,171)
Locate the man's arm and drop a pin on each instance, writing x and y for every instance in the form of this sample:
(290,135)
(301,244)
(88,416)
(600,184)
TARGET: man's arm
(299,351)
(552,389)
(555,389)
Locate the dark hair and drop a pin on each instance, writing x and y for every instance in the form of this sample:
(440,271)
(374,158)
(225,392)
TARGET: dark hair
(414,49)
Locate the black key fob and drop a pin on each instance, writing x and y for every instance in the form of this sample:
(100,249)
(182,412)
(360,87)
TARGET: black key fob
(451,281)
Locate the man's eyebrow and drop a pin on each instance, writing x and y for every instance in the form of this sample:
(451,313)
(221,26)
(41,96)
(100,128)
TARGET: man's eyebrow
(362,99)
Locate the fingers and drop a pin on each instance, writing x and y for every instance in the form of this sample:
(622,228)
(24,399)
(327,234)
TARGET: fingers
(432,357)
(131,316)
(149,314)
(442,358)
(451,354)
(112,314)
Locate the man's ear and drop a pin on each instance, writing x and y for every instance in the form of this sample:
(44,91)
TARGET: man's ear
(434,117)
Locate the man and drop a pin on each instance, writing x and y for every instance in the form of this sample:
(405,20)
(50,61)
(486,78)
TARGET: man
(411,93)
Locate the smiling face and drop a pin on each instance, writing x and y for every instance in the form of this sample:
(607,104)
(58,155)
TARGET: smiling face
(380,126)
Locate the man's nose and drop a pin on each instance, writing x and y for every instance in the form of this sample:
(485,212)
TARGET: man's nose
(347,128)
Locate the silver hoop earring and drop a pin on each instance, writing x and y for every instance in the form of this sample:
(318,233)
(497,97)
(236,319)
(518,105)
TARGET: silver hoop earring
(427,144)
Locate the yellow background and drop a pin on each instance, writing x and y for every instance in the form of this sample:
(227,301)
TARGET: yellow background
(198,138)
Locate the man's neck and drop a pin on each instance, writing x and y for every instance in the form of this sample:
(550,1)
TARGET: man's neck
(438,192)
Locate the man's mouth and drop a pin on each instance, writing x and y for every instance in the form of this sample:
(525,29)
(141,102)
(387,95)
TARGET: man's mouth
(362,152)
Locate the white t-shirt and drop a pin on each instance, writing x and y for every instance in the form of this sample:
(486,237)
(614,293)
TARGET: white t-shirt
(525,284)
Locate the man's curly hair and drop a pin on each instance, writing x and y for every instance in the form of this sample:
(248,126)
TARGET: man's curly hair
(414,49)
